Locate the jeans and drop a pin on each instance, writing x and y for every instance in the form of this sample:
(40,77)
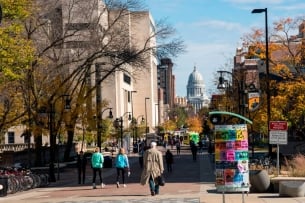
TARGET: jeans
(169,167)
(81,175)
(122,171)
(99,171)
(153,187)
(141,161)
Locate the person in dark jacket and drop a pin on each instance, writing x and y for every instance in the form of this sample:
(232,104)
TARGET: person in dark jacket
(81,167)
(194,150)
(169,158)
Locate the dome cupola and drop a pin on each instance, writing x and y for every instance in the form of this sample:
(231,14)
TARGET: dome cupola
(195,78)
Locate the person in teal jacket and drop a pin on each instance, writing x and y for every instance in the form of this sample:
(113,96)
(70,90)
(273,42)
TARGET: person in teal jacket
(122,166)
(97,161)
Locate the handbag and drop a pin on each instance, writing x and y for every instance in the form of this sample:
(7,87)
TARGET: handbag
(160,180)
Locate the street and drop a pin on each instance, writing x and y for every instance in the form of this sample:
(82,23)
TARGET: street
(189,181)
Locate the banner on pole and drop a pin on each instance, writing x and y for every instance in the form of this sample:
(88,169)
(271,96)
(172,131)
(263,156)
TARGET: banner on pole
(253,101)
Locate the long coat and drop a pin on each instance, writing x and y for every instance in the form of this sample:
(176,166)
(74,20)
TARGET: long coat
(153,165)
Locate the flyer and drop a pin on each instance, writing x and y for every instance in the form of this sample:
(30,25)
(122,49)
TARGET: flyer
(231,158)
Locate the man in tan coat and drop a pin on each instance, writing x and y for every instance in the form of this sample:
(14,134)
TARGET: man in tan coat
(152,168)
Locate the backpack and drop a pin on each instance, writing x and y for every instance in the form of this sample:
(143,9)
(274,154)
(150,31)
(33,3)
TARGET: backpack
(120,161)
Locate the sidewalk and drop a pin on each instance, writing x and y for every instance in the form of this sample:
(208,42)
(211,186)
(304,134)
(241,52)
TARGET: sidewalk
(189,182)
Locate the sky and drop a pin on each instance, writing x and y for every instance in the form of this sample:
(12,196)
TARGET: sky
(212,30)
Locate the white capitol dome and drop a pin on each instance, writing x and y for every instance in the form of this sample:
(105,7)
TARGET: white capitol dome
(196,94)
(195,78)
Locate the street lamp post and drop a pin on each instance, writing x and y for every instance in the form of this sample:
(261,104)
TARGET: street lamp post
(53,136)
(99,127)
(265,10)
(119,123)
(240,86)
(146,130)
(132,117)
(156,115)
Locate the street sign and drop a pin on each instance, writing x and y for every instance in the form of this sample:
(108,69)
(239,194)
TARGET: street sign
(278,137)
(278,125)
(278,132)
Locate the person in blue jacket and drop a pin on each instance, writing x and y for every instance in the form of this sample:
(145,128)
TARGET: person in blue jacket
(97,161)
(122,166)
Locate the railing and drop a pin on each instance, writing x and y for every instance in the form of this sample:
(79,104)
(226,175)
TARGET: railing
(15,147)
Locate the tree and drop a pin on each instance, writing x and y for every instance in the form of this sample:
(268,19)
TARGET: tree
(169,125)
(178,115)
(16,53)
(95,38)
(287,78)
(194,124)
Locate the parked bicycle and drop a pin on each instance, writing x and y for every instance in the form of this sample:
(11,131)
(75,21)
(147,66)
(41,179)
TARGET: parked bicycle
(21,179)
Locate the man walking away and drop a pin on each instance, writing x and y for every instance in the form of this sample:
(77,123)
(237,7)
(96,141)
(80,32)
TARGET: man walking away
(152,168)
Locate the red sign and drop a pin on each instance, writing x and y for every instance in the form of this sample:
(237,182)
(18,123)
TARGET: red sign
(278,125)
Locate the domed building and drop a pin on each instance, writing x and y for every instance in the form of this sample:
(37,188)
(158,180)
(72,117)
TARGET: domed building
(196,94)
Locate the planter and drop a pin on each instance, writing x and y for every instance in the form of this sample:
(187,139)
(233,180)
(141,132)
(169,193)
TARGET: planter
(259,180)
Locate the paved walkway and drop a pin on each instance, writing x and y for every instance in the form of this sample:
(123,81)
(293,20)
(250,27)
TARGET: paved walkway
(189,182)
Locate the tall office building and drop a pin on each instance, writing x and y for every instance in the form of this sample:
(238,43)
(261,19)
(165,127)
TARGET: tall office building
(166,81)
(166,88)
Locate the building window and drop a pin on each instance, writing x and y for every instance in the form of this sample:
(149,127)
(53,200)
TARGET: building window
(127,79)
(79,26)
(129,97)
(11,137)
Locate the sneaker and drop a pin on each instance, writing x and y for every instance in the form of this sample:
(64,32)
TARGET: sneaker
(103,185)
(117,184)
(94,186)
(125,185)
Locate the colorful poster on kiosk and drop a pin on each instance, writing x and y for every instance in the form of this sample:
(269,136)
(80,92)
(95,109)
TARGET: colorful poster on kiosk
(231,158)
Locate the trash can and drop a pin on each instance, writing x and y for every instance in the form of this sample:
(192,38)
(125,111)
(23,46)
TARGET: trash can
(107,162)
(4,183)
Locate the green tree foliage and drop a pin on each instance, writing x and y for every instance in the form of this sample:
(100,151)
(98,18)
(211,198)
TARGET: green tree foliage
(107,127)
(16,51)
(178,115)
(16,57)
